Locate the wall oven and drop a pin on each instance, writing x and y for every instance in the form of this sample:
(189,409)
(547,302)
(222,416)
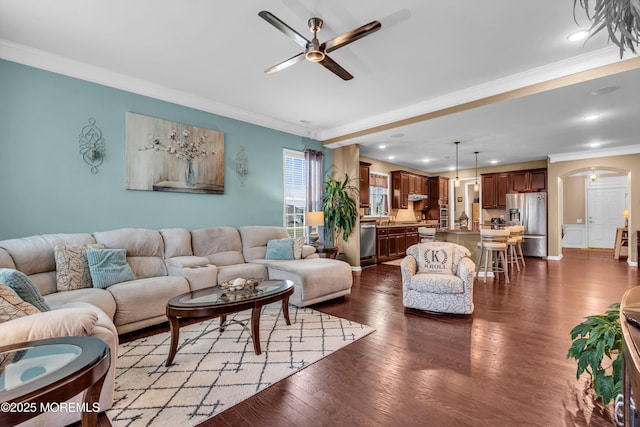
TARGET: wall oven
(443,215)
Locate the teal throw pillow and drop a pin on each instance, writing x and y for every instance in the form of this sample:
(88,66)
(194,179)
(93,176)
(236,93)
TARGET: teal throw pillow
(108,267)
(280,249)
(24,287)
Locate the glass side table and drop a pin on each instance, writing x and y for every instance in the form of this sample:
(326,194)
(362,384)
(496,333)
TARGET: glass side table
(39,376)
(327,252)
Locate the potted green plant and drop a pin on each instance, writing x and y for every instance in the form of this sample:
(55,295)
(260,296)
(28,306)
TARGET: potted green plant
(621,18)
(340,208)
(597,347)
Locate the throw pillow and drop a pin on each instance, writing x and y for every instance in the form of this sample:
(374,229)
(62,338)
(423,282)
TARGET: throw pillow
(24,287)
(12,306)
(108,267)
(435,257)
(279,249)
(72,268)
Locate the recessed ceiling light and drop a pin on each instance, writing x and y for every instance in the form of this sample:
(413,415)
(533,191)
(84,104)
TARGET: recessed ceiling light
(382,147)
(594,144)
(590,117)
(392,157)
(452,168)
(578,35)
(493,162)
(426,160)
(306,122)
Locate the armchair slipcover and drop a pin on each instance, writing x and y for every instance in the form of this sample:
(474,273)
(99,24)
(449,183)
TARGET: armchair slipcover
(438,292)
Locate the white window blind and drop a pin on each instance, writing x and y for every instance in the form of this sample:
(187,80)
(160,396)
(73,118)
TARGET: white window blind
(295,192)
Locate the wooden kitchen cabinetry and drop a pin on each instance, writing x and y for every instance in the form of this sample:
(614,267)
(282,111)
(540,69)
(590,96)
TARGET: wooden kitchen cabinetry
(399,190)
(364,184)
(424,204)
(495,187)
(392,242)
(438,190)
(528,181)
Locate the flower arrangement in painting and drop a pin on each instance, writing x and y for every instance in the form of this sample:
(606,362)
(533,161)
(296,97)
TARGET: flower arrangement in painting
(181,148)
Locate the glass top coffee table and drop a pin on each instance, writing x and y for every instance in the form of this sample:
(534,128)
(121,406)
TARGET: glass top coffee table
(215,301)
(37,376)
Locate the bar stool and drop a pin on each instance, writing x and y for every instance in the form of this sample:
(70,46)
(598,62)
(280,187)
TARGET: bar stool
(427,234)
(493,243)
(512,244)
(519,244)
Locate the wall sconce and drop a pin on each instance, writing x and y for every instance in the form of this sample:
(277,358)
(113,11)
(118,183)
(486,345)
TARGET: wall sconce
(314,219)
(92,145)
(242,166)
(625,215)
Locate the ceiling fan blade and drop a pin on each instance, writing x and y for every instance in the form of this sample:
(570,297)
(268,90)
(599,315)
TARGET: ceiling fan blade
(284,64)
(333,66)
(287,30)
(351,36)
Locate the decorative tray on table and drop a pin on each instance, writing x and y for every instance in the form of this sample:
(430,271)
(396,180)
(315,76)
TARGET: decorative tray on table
(238,288)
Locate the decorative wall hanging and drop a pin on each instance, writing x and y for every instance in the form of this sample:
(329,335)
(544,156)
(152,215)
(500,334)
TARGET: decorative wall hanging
(242,166)
(169,156)
(92,145)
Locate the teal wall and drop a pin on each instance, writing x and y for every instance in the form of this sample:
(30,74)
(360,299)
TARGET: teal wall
(46,187)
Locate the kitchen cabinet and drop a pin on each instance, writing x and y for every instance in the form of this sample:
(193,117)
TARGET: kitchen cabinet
(415,184)
(495,187)
(392,242)
(424,204)
(528,181)
(364,184)
(399,190)
(439,190)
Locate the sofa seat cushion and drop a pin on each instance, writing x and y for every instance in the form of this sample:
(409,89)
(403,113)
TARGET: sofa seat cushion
(314,278)
(437,283)
(244,271)
(143,299)
(100,298)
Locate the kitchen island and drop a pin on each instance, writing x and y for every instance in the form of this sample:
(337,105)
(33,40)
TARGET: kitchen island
(467,238)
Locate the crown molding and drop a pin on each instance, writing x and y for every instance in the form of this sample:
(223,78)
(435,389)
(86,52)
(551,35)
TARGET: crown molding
(513,86)
(36,58)
(592,154)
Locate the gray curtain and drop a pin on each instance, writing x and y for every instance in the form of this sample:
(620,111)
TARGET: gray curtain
(315,185)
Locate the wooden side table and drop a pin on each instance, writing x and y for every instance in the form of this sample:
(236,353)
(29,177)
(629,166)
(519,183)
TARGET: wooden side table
(622,243)
(327,252)
(38,376)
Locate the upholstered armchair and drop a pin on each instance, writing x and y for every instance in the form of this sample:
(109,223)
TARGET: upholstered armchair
(438,277)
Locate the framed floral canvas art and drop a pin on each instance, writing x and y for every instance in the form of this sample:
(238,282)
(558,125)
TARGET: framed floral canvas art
(169,156)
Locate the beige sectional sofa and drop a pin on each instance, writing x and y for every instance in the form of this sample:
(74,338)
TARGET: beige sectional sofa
(165,263)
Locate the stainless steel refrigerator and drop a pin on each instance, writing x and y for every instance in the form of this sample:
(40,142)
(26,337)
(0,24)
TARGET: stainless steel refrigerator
(530,210)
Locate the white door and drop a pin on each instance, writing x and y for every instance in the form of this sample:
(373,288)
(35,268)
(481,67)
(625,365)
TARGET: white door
(606,200)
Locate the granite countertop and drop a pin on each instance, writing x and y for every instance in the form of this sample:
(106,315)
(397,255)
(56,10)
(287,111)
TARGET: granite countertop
(448,230)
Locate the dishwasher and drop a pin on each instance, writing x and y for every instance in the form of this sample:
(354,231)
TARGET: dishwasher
(367,242)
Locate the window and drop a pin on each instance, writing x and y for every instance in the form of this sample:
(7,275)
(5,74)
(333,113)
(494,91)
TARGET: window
(295,192)
(378,194)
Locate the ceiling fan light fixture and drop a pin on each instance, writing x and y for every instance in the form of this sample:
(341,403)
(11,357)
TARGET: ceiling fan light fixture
(314,55)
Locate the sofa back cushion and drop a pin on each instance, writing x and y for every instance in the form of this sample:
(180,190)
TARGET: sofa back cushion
(144,248)
(255,238)
(177,242)
(34,256)
(221,245)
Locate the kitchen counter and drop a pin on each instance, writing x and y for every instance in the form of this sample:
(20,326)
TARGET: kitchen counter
(467,238)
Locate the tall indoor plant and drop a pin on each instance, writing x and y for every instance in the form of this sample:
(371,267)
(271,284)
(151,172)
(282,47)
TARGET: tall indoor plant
(621,18)
(597,347)
(339,207)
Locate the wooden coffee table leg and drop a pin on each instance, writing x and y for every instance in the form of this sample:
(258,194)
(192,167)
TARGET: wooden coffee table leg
(223,319)
(255,328)
(285,309)
(91,396)
(175,334)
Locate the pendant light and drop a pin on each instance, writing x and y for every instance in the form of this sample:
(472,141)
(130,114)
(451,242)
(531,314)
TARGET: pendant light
(476,186)
(594,175)
(457,181)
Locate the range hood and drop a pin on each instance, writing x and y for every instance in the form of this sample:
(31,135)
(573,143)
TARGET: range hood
(415,197)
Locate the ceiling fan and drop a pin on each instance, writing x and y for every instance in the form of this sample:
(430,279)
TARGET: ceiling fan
(313,50)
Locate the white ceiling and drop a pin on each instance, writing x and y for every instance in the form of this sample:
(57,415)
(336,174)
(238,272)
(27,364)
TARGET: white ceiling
(427,56)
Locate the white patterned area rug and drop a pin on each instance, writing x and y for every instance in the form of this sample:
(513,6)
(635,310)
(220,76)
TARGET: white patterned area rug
(218,370)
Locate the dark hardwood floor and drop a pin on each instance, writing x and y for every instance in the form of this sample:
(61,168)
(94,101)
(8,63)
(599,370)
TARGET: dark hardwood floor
(504,365)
